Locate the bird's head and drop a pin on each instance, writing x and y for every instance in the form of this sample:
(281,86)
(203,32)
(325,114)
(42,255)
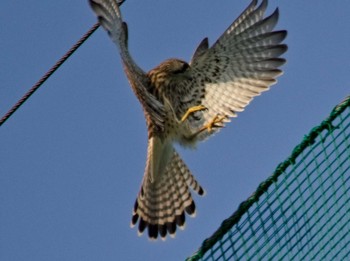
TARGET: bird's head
(170,72)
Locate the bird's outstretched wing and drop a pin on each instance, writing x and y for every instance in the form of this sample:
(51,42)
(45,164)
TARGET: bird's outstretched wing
(241,64)
(110,18)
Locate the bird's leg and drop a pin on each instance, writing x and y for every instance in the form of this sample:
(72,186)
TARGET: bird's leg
(192,110)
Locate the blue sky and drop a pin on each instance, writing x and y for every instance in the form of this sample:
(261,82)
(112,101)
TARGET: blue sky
(72,158)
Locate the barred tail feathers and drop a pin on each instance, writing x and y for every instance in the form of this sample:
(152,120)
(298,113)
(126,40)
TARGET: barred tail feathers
(165,193)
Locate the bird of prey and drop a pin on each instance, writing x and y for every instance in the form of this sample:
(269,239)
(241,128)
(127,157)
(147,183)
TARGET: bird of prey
(185,103)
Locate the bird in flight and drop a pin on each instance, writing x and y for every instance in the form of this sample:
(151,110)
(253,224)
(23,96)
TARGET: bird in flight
(185,103)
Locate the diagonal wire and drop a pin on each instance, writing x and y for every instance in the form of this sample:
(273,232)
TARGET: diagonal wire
(52,70)
(49,73)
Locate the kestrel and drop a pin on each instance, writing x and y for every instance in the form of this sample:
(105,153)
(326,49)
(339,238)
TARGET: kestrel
(185,103)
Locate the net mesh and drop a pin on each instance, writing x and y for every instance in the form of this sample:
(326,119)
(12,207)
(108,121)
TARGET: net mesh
(302,211)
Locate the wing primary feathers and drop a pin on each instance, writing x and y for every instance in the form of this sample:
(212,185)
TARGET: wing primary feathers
(243,63)
(109,15)
(201,49)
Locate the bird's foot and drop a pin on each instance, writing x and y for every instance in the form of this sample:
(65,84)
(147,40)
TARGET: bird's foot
(216,122)
(192,110)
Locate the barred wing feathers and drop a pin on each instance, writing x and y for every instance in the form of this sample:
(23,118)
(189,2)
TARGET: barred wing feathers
(110,18)
(241,64)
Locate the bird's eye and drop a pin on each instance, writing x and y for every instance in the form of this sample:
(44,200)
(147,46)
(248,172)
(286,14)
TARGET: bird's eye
(182,69)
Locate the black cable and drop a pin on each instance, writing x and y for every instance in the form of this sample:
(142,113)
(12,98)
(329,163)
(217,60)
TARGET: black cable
(52,70)
(49,73)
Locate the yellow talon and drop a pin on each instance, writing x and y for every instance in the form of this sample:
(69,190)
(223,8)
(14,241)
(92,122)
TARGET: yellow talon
(212,124)
(217,119)
(192,110)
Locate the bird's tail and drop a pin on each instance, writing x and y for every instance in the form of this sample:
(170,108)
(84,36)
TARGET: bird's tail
(165,193)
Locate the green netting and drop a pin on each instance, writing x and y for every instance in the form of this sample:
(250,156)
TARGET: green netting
(302,211)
